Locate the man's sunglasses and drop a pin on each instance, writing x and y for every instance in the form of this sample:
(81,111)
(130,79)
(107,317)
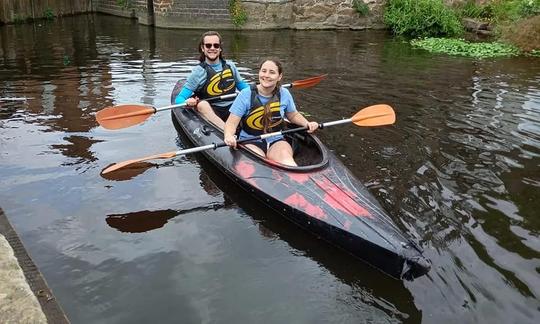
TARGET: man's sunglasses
(209,46)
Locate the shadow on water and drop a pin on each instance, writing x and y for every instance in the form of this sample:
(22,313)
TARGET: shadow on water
(146,220)
(127,173)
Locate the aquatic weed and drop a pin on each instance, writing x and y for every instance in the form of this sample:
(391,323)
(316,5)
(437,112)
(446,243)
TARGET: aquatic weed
(453,46)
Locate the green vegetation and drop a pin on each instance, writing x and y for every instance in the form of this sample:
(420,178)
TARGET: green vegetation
(18,19)
(499,11)
(361,7)
(421,18)
(515,22)
(464,48)
(524,33)
(237,12)
(124,4)
(48,14)
(66,60)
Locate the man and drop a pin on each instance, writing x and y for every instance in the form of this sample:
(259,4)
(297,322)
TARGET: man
(213,77)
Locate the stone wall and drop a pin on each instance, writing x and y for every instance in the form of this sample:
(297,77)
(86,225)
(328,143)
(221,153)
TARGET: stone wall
(122,8)
(311,14)
(192,14)
(213,14)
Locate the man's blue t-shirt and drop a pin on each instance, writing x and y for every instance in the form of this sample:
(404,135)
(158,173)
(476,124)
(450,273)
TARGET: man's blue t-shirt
(198,77)
(242,105)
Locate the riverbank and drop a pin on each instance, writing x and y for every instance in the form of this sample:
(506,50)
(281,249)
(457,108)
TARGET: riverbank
(24,294)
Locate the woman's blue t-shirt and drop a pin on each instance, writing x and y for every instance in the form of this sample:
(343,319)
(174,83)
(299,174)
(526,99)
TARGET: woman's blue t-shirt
(242,105)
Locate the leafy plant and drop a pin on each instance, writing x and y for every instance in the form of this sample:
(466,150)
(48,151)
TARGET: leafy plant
(464,48)
(421,18)
(237,12)
(471,9)
(18,19)
(48,14)
(125,4)
(528,8)
(361,7)
(508,10)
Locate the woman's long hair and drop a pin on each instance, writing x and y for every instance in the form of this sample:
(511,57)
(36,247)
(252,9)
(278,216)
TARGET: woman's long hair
(201,44)
(267,117)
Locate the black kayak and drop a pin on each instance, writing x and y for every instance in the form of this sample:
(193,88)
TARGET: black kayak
(320,195)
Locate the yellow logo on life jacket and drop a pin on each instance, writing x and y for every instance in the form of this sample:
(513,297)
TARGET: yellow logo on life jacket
(213,86)
(255,118)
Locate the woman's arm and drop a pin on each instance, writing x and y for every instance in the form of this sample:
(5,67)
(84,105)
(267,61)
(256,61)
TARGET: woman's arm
(229,136)
(297,118)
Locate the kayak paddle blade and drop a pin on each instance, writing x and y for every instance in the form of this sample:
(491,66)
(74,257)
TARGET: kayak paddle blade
(376,115)
(121,165)
(123,116)
(309,82)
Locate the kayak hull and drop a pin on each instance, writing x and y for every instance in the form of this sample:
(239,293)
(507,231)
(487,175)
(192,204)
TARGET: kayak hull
(321,196)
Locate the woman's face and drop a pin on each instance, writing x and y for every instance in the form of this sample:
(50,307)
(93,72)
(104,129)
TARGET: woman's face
(269,74)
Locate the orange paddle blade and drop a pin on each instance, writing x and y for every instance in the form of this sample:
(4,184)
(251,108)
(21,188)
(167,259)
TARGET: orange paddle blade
(309,82)
(376,115)
(120,165)
(123,116)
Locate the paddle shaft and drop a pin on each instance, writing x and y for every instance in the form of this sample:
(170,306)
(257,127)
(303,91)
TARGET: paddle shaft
(376,115)
(223,97)
(214,146)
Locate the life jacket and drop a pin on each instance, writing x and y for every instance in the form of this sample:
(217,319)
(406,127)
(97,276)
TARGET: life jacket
(252,123)
(217,83)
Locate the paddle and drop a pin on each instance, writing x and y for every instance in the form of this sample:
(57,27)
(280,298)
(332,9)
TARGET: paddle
(376,115)
(123,116)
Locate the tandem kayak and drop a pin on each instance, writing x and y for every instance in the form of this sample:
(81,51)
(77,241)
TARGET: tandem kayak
(320,195)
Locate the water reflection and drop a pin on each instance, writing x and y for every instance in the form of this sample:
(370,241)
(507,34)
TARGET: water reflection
(144,221)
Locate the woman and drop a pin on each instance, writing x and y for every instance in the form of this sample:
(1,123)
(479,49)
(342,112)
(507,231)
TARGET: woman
(261,109)
(213,77)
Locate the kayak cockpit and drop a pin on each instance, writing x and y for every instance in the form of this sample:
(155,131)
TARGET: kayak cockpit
(308,153)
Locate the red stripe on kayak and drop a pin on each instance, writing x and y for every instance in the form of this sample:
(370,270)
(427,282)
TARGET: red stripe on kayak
(298,177)
(298,201)
(339,198)
(246,169)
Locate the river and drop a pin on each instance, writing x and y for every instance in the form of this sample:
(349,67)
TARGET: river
(459,172)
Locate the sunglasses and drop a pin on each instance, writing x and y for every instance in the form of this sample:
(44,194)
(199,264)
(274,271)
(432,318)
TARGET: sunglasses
(209,46)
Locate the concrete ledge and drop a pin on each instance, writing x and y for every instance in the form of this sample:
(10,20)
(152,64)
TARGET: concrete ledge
(24,294)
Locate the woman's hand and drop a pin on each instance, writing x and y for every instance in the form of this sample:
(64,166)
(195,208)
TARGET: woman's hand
(193,101)
(312,126)
(230,140)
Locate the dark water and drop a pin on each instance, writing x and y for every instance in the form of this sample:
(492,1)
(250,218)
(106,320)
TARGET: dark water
(176,243)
